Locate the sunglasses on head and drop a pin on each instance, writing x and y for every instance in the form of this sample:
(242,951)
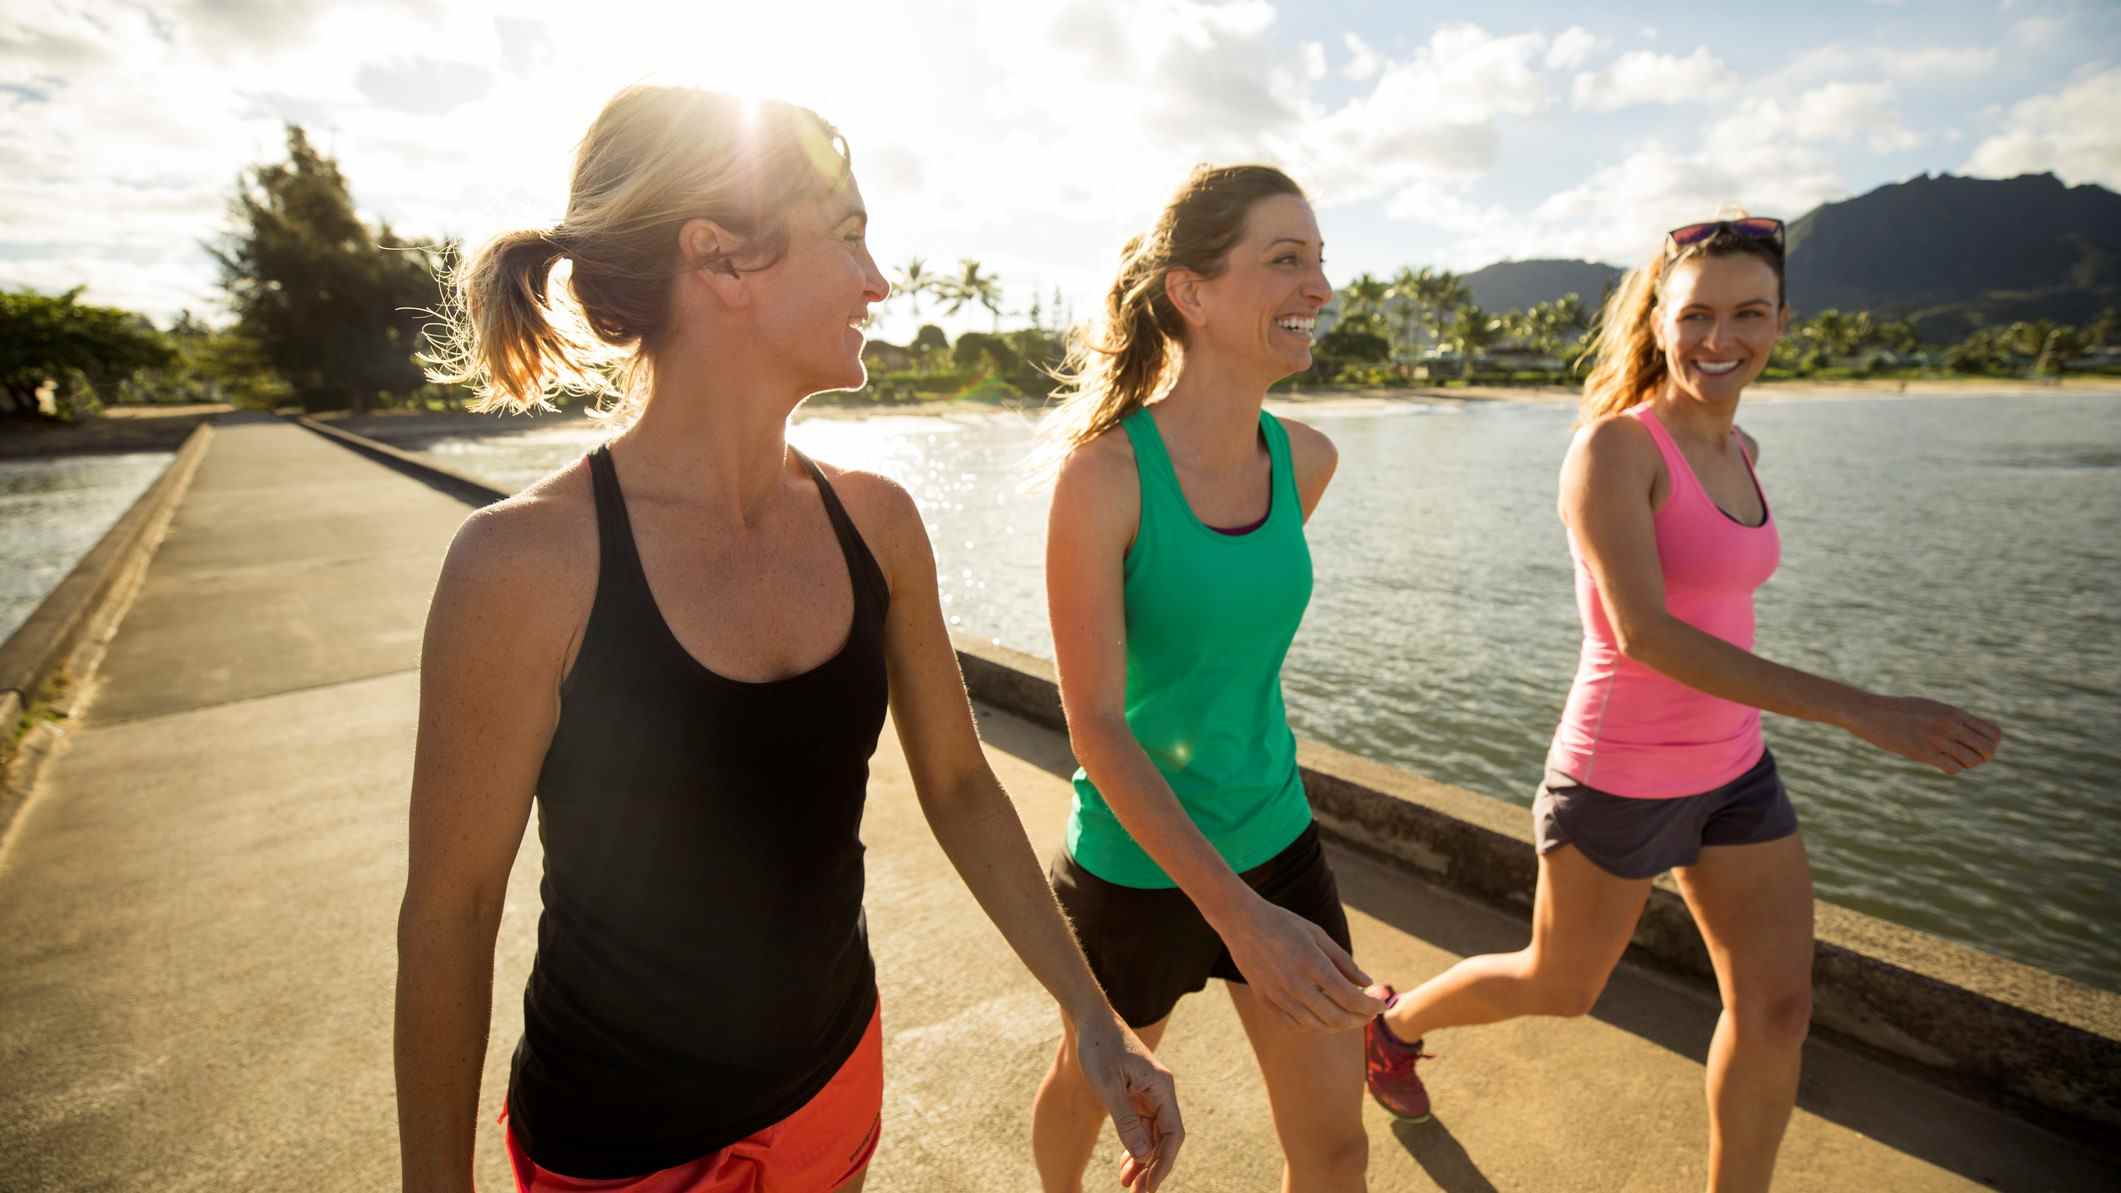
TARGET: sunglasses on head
(1751,228)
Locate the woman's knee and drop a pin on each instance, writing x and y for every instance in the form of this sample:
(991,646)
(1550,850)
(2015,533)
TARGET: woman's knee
(1782,1018)
(1335,1159)
(1564,991)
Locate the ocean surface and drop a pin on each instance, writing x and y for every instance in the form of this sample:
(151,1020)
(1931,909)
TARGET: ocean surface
(52,511)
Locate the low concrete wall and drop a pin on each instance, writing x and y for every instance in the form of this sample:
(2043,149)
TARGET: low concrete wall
(66,631)
(41,646)
(2039,1044)
(458,485)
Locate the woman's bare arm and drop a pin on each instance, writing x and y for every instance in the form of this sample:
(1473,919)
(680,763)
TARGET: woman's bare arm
(497,632)
(1606,482)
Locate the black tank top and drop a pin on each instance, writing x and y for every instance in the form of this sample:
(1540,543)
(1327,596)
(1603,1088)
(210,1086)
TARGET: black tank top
(703,961)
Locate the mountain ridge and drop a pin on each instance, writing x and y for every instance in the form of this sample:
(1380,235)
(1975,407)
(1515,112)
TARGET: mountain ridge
(1946,252)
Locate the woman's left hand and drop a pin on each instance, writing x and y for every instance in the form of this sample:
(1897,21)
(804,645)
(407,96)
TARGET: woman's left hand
(1139,1094)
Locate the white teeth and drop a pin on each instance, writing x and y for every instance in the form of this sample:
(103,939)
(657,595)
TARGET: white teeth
(1296,323)
(1716,370)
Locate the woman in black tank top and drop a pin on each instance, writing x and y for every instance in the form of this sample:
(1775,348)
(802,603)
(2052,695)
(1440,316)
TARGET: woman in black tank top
(683,649)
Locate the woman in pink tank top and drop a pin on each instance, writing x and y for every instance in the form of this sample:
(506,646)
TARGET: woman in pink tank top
(1658,763)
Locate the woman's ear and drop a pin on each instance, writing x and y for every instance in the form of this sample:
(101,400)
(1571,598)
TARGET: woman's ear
(1182,287)
(709,250)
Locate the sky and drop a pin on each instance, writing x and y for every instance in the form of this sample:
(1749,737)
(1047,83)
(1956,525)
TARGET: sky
(1037,136)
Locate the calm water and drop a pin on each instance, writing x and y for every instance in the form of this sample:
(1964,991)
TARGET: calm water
(1965,548)
(52,512)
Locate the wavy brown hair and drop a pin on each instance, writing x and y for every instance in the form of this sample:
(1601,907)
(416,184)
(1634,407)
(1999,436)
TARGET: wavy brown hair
(1125,360)
(655,158)
(1627,365)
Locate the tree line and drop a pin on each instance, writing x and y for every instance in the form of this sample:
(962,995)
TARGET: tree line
(331,312)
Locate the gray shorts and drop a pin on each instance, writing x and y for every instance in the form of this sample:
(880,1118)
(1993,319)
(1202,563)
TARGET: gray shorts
(1640,838)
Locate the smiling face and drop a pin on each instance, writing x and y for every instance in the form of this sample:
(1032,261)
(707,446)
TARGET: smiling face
(1717,320)
(1260,311)
(809,305)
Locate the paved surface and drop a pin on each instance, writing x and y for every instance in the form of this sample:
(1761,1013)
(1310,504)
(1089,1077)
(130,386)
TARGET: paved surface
(197,917)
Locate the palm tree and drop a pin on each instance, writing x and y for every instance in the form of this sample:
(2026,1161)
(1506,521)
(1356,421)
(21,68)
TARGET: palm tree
(912,280)
(972,286)
(1441,293)
(1405,297)
(1570,313)
(1469,332)
(1363,298)
(1827,334)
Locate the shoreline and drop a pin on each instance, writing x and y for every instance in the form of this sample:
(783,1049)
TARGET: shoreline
(163,428)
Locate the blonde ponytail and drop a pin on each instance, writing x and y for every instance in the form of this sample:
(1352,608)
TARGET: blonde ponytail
(655,158)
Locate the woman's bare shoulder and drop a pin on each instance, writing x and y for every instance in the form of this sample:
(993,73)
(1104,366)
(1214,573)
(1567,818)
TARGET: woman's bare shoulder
(529,556)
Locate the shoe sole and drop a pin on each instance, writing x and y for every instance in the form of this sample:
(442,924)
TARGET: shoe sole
(1397,1116)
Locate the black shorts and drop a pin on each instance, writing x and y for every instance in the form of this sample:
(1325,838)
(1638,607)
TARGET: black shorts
(1149,948)
(1631,837)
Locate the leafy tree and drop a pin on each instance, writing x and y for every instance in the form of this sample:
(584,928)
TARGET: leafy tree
(336,307)
(1899,337)
(930,338)
(1345,343)
(2101,331)
(58,354)
(215,365)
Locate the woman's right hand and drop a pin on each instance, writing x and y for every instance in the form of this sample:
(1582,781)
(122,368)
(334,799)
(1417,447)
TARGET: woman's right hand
(1934,734)
(1299,970)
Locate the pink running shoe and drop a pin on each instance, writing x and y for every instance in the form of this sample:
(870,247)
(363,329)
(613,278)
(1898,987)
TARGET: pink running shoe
(1388,1068)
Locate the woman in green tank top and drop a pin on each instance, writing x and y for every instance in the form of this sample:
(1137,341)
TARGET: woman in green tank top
(1177,574)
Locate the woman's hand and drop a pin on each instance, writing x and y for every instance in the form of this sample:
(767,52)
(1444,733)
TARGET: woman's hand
(1936,735)
(1138,1093)
(1298,969)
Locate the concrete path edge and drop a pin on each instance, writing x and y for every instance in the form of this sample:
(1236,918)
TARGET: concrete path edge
(79,611)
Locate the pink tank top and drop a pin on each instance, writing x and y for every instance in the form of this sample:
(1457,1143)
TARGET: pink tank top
(1631,730)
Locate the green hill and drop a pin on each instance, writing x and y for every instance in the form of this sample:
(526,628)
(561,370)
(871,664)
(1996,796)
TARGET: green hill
(1949,254)
(1516,285)
(1954,253)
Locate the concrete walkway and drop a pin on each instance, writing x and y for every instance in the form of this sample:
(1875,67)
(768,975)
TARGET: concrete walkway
(197,916)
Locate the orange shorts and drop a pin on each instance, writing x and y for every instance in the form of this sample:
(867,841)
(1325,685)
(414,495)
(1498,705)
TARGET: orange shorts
(820,1147)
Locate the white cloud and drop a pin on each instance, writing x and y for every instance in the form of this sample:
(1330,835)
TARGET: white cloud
(1646,77)
(1572,48)
(1836,112)
(2071,133)
(1314,60)
(1363,62)
(1433,115)
(1916,65)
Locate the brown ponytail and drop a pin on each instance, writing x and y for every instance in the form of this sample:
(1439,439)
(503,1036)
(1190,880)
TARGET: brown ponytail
(1125,362)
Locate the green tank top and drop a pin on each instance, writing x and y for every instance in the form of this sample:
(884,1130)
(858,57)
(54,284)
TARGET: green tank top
(1210,617)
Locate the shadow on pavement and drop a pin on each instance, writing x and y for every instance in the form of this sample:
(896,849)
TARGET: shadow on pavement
(1438,1152)
(1905,1112)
